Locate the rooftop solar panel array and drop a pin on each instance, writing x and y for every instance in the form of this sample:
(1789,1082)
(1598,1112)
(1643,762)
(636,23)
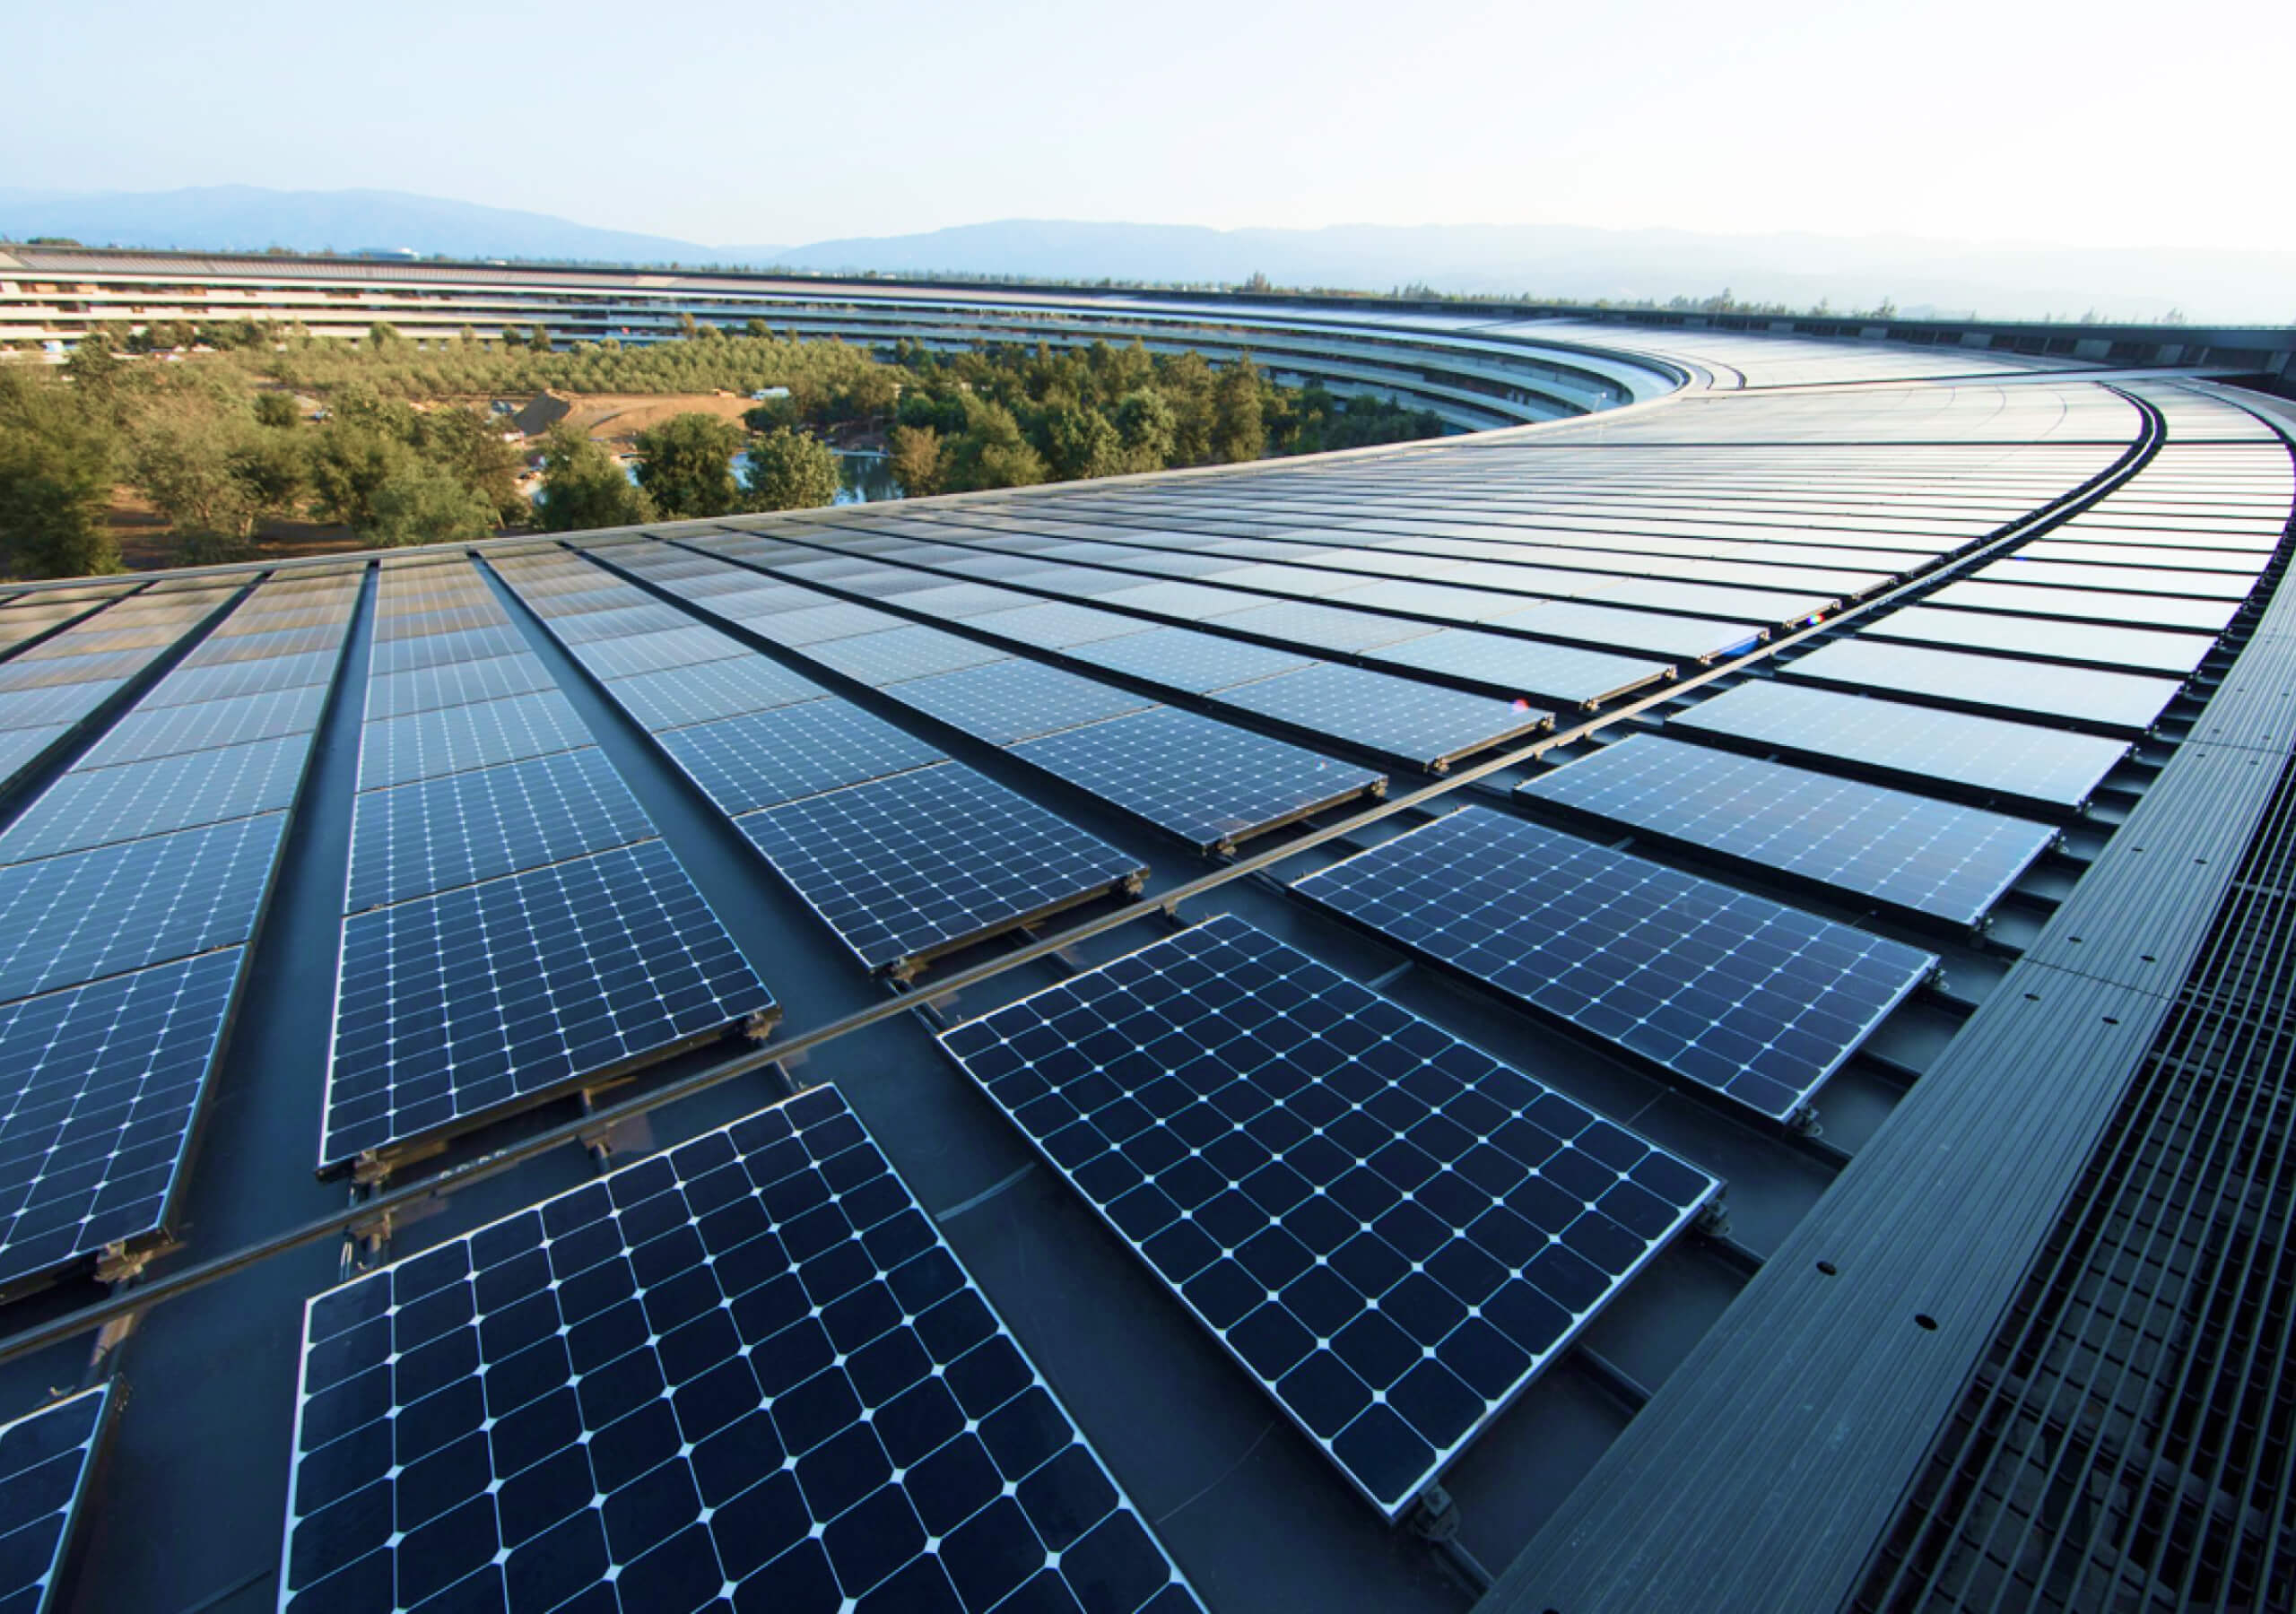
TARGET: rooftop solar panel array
(513,925)
(747,1369)
(903,854)
(48,1459)
(1729,993)
(1911,851)
(2117,703)
(129,888)
(1389,1229)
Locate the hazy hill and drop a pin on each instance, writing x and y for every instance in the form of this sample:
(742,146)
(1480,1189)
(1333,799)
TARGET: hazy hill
(1538,260)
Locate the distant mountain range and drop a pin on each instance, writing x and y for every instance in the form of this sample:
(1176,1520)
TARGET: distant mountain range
(1549,261)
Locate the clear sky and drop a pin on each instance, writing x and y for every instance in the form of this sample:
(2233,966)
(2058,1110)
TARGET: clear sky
(2107,123)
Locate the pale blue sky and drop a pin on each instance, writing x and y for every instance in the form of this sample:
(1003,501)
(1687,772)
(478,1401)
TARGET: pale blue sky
(2107,123)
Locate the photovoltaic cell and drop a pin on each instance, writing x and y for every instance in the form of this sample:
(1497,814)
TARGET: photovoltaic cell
(20,747)
(878,659)
(46,1458)
(1324,626)
(1180,658)
(1912,852)
(398,750)
(188,684)
(65,705)
(746,1373)
(1392,1231)
(1420,724)
(906,866)
(1056,625)
(2089,605)
(106,804)
(1210,783)
(1733,994)
(1007,701)
(443,649)
(463,827)
(454,683)
(2049,765)
(69,919)
(2121,701)
(99,1085)
(763,759)
(1501,662)
(2092,644)
(708,690)
(454,1006)
(652,652)
(172,730)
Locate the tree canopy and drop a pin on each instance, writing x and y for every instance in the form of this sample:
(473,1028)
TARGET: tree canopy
(790,470)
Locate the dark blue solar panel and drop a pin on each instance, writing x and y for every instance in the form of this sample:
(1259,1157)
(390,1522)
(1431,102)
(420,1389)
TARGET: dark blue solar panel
(1007,701)
(1732,992)
(99,1085)
(455,1006)
(45,1459)
(1391,1230)
(454,683)
(65,920)
(883,658)
(708,690)
(1420,724)
(102,805)
(638,653)
(1210,783)
(764,757)
(1912,852)
(2114,700)
(467,826)
(1182,658)
(398,750)
(1504,663)
(747,1373)
(906,866)
(205,725)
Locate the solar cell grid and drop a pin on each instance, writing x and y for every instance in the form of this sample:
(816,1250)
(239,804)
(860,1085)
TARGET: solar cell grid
(455,1006)
(810,624)
(1208,782)
(1180,658)
(644,614)
(1325,626)
(172,730)
(99,1085)
(61,706)
(216,651)
(904,867)
(454,683)
(1911,852)
(2121,702)
(2091,644)
(187,685)
(21,672)
(2130,579)
(101,806)
(1392,1231)
(1733,994)
(91,639)
(423,745)
(747,1368)
(1009,700)
(464,828)
(1502,663)
(20,748)
(703,692)
(2090,605)
(74,918)
(878,659)
(438,649)
(633,653)
(761,759)
(1418,724)
(45,1460)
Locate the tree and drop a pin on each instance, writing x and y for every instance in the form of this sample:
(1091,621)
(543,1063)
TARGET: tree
(277,409)
(56,477)
(181,459)
(1146,427)
(1080,442)
(420,502)
(472,447)
(686,466)
(991,451)
(351,460)
(1238,428)
(582,487)
(918,461)
(791,471)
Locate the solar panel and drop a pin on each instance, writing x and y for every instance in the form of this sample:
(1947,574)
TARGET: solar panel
(1209,783)
(1420,724)
(1735,994)
(455,1007)
(2090,605)
(220,649)
(2126,578)
(20,748)
(706,690)
(65,705)
(878,659)
(33,672)
(747,1369)
(102,805)
(652,652)
(813,623)
(1911,852)
(1180,658)
(399,751)
(1324,626)
(2133,649)
(68,919)
(172,730)
(463,827)
(99,1085)
(761,759)
(1392,1231)
(2121,701)
(905,867)
(45,1459)
(1056,625)
(188,684)
(643,616)
(456,683)
(1007,701)
(1917,744)
(1502,664)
